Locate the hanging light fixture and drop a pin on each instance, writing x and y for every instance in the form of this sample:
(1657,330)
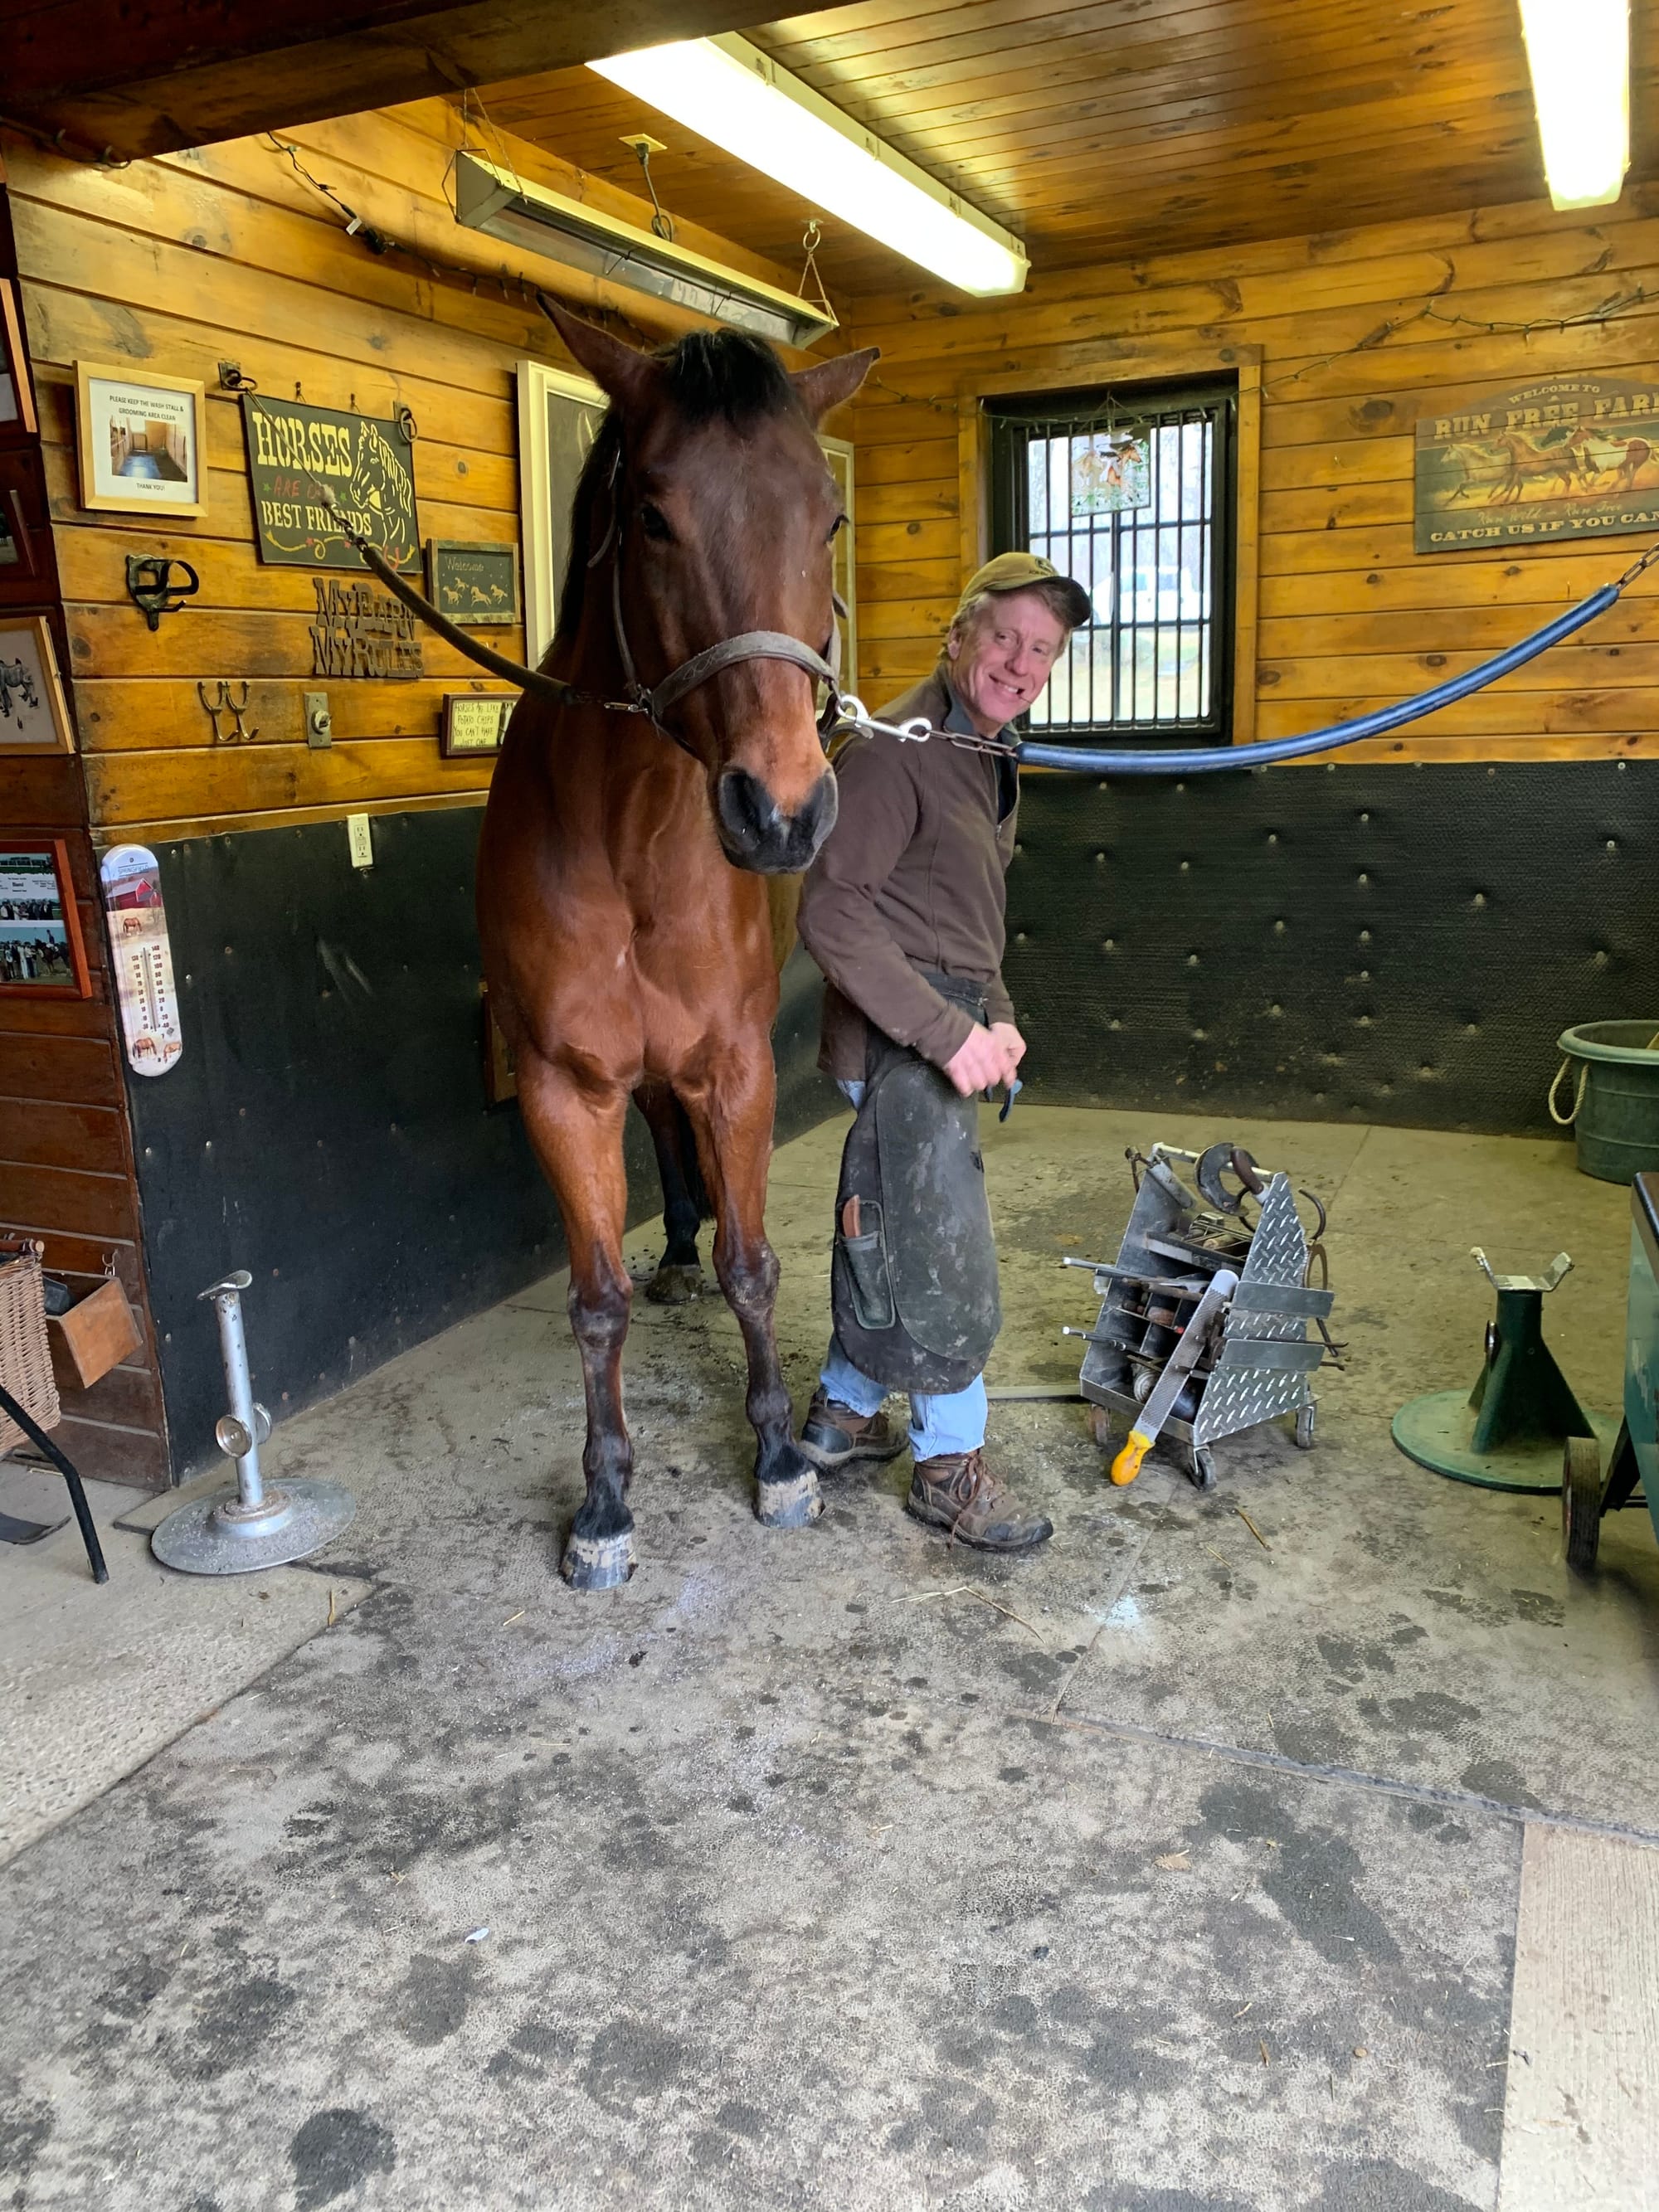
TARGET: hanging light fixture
(729,91)
(538,220)
(1578,51)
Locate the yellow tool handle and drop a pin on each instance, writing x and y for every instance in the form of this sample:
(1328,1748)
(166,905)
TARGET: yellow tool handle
(1126,1465)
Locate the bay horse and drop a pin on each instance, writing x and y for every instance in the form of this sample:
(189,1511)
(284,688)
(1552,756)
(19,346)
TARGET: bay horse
(630,828)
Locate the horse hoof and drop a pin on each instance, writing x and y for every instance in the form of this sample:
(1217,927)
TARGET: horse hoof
(676,1285)
(794,1502)
(598,1562)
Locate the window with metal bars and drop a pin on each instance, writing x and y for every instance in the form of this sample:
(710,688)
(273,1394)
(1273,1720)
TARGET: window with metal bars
(1130,491)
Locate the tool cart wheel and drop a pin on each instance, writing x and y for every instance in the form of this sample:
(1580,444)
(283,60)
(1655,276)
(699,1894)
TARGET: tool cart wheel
(1203,1463)
(1581,1502)
(1100,1426)
(1305,1427)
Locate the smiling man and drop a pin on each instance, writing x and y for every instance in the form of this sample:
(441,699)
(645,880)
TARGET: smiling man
(903,912)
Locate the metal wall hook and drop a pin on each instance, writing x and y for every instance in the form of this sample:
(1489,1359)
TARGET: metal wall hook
(151,588)
(227,703)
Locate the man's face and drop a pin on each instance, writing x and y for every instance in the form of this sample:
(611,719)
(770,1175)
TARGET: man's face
(1005,655)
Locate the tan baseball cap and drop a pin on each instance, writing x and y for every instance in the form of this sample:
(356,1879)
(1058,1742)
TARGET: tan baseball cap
(1018,572)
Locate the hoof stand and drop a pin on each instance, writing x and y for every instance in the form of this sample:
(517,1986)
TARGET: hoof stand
(795,1502)
(598,1563)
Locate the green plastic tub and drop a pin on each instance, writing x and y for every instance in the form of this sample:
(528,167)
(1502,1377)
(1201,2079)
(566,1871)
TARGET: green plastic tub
(1615,1068)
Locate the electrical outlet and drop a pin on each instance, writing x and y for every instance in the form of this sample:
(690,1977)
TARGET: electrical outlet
(362,844)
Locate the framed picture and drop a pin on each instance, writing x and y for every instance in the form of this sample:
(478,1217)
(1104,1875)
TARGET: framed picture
(473,584)
(24,548)
(41,954)
(34,713)
(143,442)
(18,561)
(474,722)
(17,415)
(559,418)
(838,452)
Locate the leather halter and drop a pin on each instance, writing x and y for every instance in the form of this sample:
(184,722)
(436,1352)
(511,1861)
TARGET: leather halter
(653,702)
(656,701)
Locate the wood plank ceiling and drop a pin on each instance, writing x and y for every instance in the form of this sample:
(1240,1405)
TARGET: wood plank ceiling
(1121,127)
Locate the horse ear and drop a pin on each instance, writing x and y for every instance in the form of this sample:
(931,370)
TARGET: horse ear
(619,370)
(828,384)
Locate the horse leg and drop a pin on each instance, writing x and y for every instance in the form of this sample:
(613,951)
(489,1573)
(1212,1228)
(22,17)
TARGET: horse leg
(679,1273)
(731,1113)
(577,1134)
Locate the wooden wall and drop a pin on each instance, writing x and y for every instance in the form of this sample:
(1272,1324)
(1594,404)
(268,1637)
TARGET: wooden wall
(66,1168)
(226,253)
(1350,617)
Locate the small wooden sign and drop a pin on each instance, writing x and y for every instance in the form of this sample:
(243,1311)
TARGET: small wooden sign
(295,451)
(473,584)
(474,722)
(1565,456)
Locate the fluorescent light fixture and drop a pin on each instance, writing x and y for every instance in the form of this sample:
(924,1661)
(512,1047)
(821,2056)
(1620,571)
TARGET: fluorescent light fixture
(727,90)
(539,220)
(1578,51)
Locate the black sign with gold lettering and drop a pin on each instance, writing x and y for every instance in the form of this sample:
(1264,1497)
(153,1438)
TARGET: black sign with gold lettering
(295,451)
(1566,457)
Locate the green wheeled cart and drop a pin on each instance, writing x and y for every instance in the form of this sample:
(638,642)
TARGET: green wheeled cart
(1586,1493)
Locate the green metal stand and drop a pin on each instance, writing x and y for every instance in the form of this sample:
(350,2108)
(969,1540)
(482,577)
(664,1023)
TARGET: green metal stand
(1508,1433)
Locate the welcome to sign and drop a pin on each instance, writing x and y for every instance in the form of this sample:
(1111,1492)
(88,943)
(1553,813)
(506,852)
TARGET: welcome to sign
(1567,457)
(295,451)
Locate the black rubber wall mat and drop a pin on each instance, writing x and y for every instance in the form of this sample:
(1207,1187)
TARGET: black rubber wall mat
(1392,943)
(327,1126)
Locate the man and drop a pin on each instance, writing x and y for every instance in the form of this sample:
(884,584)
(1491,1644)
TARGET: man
(904,911)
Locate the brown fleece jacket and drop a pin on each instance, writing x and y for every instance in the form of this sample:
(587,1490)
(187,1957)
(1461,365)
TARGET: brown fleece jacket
(911,876)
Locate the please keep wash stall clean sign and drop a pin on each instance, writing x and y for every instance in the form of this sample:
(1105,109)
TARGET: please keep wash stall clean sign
(295,451)
(1570,457)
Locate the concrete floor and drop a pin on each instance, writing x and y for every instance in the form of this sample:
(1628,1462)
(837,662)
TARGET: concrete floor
(1168,1870)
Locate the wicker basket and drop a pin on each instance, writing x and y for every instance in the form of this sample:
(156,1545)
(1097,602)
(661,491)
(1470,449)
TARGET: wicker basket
(25,1348)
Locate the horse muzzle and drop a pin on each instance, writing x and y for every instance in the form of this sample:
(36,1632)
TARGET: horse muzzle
(756,834)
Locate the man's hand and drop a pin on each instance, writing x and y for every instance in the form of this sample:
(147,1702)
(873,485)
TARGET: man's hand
(989,1057)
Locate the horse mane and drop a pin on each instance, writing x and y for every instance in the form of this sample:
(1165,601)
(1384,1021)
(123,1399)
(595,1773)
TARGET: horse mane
(709,373)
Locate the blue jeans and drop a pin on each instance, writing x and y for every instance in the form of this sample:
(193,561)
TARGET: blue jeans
(941,1423)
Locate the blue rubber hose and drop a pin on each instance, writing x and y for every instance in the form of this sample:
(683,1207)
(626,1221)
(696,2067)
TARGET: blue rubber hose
(1204,761)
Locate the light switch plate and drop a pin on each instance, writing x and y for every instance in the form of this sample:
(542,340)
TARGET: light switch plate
(362,844)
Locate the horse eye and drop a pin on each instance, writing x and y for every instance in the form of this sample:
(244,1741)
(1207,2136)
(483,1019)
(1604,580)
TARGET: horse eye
(654,523)
(836,527)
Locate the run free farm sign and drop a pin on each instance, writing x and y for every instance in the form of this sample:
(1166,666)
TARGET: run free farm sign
(1568,457)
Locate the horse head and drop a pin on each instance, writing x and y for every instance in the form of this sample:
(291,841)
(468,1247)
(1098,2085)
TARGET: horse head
(708,488)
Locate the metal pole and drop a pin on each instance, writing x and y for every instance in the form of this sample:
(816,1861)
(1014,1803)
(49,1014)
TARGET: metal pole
(227,1296)
(250,1527)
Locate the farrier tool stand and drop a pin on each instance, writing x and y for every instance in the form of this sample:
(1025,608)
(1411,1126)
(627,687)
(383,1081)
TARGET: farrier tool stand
(1203,1323)
(252,1526)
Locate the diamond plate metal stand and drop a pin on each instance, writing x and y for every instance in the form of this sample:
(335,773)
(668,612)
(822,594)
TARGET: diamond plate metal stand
(1508,1432)
(1203,1323)
(252,1526)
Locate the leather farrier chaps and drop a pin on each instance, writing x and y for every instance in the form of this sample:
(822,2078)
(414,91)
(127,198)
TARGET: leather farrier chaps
(913,1282)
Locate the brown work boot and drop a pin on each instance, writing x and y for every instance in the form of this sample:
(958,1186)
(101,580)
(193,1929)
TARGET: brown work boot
(959,1493)
(835,1436)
